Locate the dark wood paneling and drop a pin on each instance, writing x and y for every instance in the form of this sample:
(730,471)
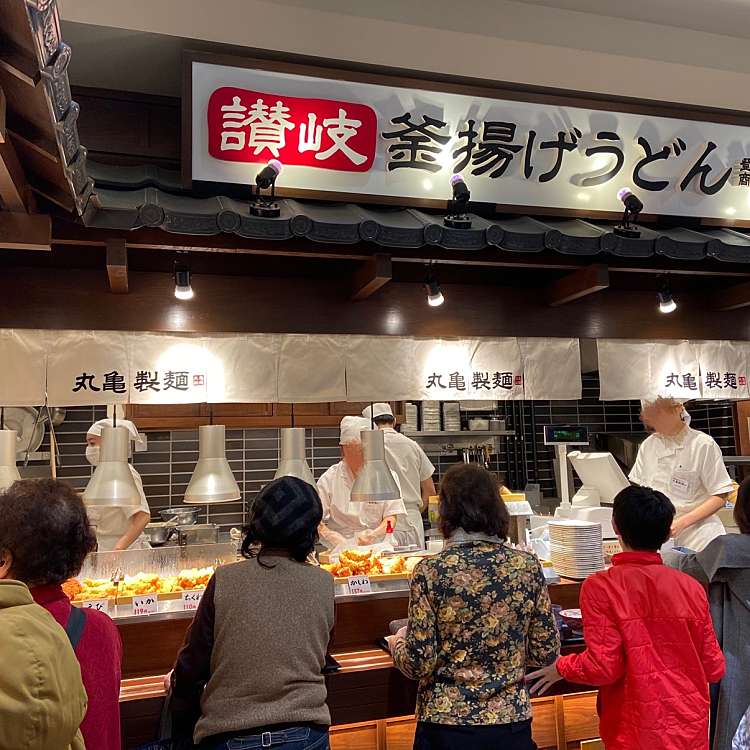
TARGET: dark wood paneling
(60,299)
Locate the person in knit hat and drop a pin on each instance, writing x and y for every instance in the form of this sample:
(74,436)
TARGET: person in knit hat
(251,669)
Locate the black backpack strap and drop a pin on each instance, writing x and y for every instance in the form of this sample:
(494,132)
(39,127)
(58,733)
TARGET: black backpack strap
(75,626)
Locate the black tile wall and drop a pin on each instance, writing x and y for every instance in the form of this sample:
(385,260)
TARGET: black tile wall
(526,458)
(168,463)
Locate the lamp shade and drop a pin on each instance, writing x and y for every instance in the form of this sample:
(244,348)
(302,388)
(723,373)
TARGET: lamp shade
(8,470)
(112,484)
(212,480)
(292,461)
(375,482)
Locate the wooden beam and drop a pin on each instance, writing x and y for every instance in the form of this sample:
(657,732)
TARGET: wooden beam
(21,66)
(733,298)
(117,265)
(25,231)
(14,189)
(373,274)
(581,283)
(3,110)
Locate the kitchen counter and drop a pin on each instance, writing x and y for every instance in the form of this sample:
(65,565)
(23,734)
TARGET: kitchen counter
(367,696)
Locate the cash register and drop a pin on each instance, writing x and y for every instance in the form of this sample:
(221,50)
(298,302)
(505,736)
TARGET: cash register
(601,476)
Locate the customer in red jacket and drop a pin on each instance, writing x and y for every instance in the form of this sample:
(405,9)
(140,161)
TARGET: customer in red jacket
(45,531)
(650,643)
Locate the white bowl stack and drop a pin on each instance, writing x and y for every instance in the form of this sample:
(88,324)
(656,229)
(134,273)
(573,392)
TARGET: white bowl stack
(576,547)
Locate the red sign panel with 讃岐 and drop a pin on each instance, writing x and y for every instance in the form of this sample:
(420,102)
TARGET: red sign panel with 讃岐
(252,126)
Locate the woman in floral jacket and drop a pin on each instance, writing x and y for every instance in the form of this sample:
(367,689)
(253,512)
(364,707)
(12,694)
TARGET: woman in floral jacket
(479,615)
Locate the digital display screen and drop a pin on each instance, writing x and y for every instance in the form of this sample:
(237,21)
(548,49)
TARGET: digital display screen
(565,434)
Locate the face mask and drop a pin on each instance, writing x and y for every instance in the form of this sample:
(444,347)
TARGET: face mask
(92,454)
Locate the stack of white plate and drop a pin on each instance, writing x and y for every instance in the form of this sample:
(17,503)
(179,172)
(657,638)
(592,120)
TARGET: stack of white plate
(451,416)
(431,416)
(576,547)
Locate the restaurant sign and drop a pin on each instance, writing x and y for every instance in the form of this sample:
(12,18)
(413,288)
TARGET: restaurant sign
(714,370)
(372,139)
(73,368)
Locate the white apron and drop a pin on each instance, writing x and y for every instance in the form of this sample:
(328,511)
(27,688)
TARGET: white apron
(688,469)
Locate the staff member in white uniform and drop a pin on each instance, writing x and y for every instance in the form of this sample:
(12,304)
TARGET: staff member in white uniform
(687,466)
(118,528)
(364,523)
(410,463)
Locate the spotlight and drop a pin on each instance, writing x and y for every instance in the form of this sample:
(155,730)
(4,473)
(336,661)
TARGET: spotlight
(457,217)
(182,287)
(264,205)
(665,298)
(434,294)
(633,207)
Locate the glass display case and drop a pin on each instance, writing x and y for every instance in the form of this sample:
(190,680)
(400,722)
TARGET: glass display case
(148,581)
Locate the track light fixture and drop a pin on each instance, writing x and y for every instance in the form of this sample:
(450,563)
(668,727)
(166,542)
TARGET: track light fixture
(665,297)
(432,287)
(261,205)
(633,207)
(182,286)
(457,217)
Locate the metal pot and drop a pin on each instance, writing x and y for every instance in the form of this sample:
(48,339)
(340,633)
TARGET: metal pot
(159,533)
(182,515)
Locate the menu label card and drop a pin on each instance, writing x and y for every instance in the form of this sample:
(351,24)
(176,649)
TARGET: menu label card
(148,604)
(359,584)
(100,605)
(191,599)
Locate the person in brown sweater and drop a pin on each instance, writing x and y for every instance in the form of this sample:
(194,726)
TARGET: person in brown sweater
(252,664)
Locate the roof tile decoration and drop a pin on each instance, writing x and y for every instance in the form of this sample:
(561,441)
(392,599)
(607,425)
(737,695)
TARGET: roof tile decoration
(134,197)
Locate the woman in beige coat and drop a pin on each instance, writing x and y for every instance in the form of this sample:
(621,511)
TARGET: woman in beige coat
(42,700)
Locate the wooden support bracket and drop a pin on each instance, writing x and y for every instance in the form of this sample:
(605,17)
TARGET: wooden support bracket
(117,265)
(733,298)
(25,231)
(374,273)
(581,283)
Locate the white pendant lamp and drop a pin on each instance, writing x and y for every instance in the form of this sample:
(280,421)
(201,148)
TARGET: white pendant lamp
(212,480)
(113,485)
(292,461)
(375,482)
(8,469)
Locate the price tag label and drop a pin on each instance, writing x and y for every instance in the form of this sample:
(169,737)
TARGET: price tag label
(100,605)
(148,604)
(359,584)
(191,599)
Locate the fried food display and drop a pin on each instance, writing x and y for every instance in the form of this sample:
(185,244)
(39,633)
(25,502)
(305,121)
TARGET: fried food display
(142,583)
(354,562)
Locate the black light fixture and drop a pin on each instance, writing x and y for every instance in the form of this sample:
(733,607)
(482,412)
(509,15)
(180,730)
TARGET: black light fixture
(182,287)
(457,217)
(665,297)
(264,205)
(633,207)
(432,287)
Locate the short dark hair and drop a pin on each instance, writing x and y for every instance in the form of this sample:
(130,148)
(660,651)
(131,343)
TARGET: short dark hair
(470,500)
(643,517)
(45,528)
(742,507)
(384,419)
(285,515)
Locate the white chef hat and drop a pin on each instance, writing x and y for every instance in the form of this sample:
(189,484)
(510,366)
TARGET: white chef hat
(135,436)
(351,428)
(377,410)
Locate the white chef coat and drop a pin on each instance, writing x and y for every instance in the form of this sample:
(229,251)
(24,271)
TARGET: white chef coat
(688,469)
(349,519)
(410,462)
(110,523)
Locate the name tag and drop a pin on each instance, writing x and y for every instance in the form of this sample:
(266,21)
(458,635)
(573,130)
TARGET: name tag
(147,604)
(359,584)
